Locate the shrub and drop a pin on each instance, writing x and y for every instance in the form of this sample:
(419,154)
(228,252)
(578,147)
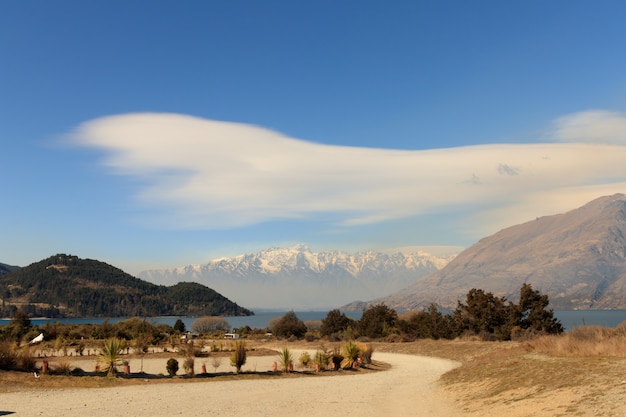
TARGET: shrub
(188,349)
(26,360)
(141,343)
(216,362)
(238,357)
(171,366)
(394,338)
(288,326)
(18,327)
(188,365)
(63,367)
(336,358)
(366,353)
(8,356)
(305,359)
(310,337)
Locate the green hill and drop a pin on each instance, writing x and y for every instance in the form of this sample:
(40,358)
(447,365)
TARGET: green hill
(5,269)
(67,286)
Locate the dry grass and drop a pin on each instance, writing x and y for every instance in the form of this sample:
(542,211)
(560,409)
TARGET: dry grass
(583,341)
(62,366)
(582,373)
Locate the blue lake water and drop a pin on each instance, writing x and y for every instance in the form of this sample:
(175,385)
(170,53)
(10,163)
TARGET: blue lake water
(569,318)
(576,318)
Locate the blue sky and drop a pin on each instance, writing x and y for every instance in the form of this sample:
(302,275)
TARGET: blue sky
(153,134)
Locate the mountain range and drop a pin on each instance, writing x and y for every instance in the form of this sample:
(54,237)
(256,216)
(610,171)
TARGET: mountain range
(296,278)
(577,258)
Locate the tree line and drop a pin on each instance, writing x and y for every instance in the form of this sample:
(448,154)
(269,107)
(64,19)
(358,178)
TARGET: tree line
(482,314)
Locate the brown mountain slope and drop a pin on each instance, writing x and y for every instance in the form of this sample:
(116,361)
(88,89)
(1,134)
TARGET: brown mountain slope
(578,258)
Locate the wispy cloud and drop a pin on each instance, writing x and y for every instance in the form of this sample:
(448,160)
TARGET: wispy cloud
(211,174)
(593,126)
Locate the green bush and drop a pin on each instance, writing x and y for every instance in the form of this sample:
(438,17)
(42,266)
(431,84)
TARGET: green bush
(171,366)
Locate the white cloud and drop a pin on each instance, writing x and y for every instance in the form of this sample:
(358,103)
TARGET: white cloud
(210,174)
(593,126)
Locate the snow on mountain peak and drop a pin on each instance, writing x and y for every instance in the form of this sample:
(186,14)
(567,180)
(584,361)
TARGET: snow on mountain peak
(295,277)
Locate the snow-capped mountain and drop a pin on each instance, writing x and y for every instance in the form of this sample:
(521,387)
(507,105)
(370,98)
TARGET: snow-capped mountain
(296,278)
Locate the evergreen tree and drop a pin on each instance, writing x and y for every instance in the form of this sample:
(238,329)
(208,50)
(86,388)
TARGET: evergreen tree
(377,321)
(484,314)
(427,324)
(335,322)
(532,313)
(179,326)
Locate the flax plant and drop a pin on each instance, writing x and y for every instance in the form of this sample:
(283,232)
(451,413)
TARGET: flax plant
(350,353)
(110,356)
(285,359)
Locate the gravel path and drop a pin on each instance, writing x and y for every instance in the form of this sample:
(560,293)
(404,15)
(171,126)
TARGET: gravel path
(409,388)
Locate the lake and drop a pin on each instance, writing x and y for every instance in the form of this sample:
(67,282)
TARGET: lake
(569,318)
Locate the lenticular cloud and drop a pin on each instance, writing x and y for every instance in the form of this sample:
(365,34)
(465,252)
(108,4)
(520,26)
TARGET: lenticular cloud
(211,174)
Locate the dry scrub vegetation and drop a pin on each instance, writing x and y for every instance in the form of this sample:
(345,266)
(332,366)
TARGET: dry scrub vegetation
(580,373)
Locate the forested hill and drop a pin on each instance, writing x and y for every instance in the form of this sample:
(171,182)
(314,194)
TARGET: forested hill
(67,286)
(5,269)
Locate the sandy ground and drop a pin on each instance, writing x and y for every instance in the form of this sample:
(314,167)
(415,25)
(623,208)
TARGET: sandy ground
(409,388)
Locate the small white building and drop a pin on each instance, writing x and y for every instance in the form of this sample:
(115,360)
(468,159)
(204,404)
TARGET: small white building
(231,336)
